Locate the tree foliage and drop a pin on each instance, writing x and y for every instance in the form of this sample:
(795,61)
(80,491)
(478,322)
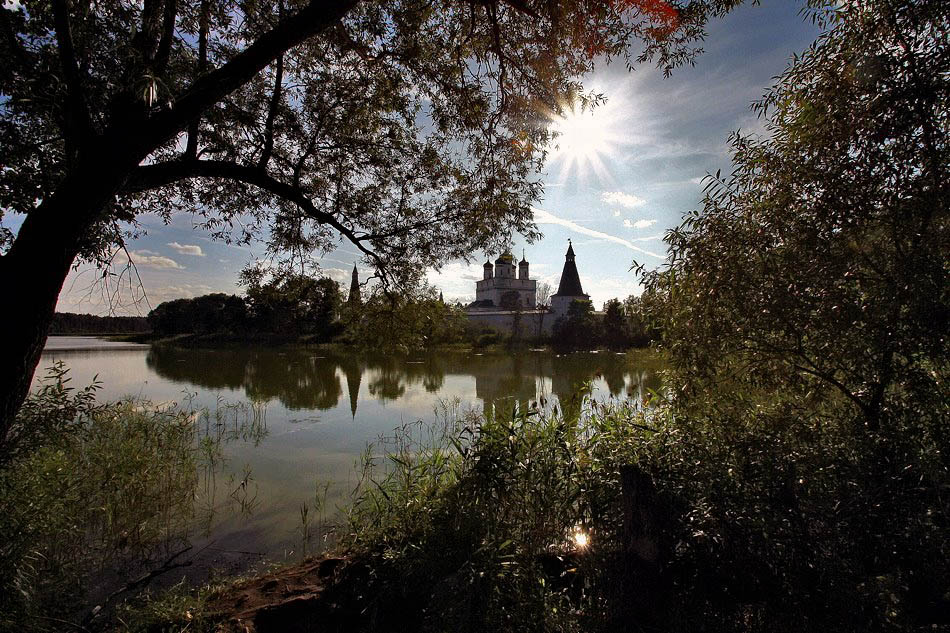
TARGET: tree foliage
(408,320)
(413,130)
(379,122)
(577,329)
(805,312)
(206,314)
(823,256)
(293,304)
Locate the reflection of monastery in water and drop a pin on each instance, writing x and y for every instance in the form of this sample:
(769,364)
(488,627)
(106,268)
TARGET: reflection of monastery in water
(501,298)
(301,380)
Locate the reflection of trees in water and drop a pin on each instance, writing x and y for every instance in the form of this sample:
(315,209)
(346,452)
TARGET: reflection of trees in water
(302,379)
(208,368)
(298,380)
(390,376)
(504,378)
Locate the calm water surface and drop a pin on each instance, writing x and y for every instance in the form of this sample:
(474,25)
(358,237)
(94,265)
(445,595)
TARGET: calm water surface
(321,410)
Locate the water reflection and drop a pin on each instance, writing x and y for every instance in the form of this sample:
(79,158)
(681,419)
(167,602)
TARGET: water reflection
(306,379)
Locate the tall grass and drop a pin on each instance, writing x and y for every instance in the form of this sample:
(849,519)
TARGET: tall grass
(774,518)
(92,494)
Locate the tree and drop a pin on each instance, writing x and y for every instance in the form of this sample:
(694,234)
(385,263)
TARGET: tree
(211,313)
(805,311)
(616,334)
(412,319)
(543,304)
(293,304)
(641,329)
(824,253)
(577,329)
(511,302)
(303,117)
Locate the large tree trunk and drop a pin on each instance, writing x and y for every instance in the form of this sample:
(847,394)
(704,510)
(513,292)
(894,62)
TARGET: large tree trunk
(36,266)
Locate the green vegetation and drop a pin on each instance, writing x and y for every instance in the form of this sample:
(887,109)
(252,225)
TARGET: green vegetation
(794,477)
(65,323)
(95,497)
(623,326)
(403,321)
(303,309)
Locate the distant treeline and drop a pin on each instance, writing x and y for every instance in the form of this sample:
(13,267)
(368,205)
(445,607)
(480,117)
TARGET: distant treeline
(71,323)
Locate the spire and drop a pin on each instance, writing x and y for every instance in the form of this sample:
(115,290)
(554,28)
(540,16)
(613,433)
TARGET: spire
(354,375)
(354,288)
(570,285)
(441,300)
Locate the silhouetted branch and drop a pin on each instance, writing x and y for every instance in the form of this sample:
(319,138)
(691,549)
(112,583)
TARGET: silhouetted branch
(158,175)
(168,35)
(77,115)
(208,89)
(272,114)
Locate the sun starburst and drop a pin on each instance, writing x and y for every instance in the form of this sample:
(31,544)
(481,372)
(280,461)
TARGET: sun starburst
(584,141)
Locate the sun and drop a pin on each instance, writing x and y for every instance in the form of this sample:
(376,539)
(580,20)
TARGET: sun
(583,140)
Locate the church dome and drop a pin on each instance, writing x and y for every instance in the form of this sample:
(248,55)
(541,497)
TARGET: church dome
(505,258)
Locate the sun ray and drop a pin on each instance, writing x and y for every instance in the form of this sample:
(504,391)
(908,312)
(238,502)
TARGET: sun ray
(584,142)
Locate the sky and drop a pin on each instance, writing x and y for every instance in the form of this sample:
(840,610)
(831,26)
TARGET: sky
(621,177)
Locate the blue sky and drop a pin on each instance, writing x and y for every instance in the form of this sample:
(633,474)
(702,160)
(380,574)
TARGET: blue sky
(625,175)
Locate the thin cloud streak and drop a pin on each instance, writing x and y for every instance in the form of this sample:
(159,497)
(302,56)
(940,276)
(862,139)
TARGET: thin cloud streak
(543,217)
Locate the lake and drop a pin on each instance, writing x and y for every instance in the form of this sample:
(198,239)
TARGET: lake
(321,409)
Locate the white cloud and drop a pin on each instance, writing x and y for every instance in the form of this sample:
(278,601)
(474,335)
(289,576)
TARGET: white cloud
(456,279)
(623,199)
(147,259)
(543,217)
(639,224)
(183,291)
(187,249)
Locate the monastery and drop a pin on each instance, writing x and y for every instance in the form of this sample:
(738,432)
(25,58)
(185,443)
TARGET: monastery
(499,295)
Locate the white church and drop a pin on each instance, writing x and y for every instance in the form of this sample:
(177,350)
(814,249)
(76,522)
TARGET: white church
(499,295)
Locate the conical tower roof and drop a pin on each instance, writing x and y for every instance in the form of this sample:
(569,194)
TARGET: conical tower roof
(570,285)
(354,287)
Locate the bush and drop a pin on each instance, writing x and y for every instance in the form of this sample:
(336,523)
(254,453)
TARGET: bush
(93,492)
(770,521)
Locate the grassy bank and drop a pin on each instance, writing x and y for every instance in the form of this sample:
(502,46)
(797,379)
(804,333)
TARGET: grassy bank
(756,513)
(623,517)
(97,500)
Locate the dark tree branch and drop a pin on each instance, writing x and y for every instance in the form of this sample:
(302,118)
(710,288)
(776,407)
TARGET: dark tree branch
(316,17)
(145,38)
(159,175)
(77,115)
(191,149)
(168,35)
(272,114)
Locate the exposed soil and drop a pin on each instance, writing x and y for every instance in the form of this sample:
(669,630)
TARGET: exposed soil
(294,599)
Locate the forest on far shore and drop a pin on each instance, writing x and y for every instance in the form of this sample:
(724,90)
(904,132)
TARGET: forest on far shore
(65,323)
